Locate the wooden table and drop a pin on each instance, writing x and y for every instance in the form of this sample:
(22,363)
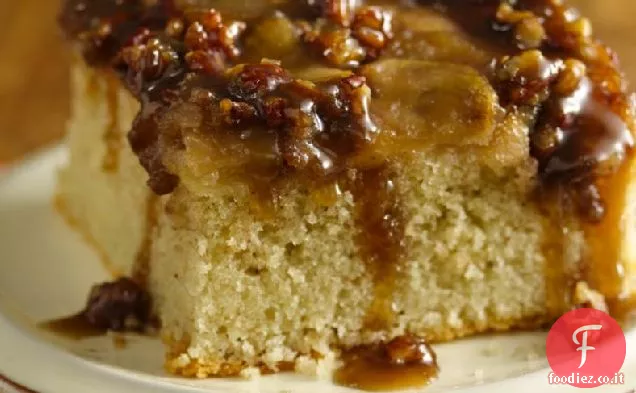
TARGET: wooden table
(34,71)
(33,77)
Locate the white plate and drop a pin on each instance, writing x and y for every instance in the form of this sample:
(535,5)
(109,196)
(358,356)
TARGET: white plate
(46,272)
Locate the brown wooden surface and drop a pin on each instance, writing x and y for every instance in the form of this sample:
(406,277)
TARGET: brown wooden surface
(34,77)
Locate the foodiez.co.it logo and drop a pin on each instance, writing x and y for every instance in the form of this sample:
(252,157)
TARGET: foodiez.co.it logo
(586,348)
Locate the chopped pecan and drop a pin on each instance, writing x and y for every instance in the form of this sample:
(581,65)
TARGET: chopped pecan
(351,44)
(528,27)
(339,11)
(119,305)
(148,59)
(209,41)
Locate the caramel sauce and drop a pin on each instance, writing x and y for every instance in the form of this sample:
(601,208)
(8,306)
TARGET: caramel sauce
(113,134)
(93,86)
(624,310)
(559,280)
(119,306)
(583,138)
(403,363)
(380,239)
(606,268)
(144,136)
(594,163)
(120,341)
(76,327)
(141,269)
(102,27)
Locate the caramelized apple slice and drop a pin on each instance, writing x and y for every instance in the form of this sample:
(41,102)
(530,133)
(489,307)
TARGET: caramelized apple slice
(217,157)
(422,103)
(321,74)
(274,37)
(422,19)
(437,46)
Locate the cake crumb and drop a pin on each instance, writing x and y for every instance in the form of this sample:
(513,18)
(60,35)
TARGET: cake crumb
(250,373)
(586,297)
(321,369)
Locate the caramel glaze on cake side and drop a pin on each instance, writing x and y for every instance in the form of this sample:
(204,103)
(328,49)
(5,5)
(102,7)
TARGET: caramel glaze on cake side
(583,123)
(281,90)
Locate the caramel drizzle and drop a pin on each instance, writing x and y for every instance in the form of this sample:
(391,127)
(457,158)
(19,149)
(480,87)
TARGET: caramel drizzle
(402,363)
(113,135)
(606,268)
(75,327)
(141,270)
(583,177)
(559,280)
(380,239)
(595,165)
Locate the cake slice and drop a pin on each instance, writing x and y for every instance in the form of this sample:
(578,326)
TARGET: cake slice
(291,180)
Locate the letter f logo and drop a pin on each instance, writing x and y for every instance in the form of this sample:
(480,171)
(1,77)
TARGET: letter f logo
(583,344)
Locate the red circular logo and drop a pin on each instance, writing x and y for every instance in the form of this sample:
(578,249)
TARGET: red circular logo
(585,348)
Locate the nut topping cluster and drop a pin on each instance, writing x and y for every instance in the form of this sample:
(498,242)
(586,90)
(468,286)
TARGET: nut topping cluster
(340,11)
(209,41)
(554,72)
(525,79)
(160,60)
(349,35)
(121,305)
(100,27)
(200,40)
(579,100)
(304,112)
(149,58)
(528,27)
